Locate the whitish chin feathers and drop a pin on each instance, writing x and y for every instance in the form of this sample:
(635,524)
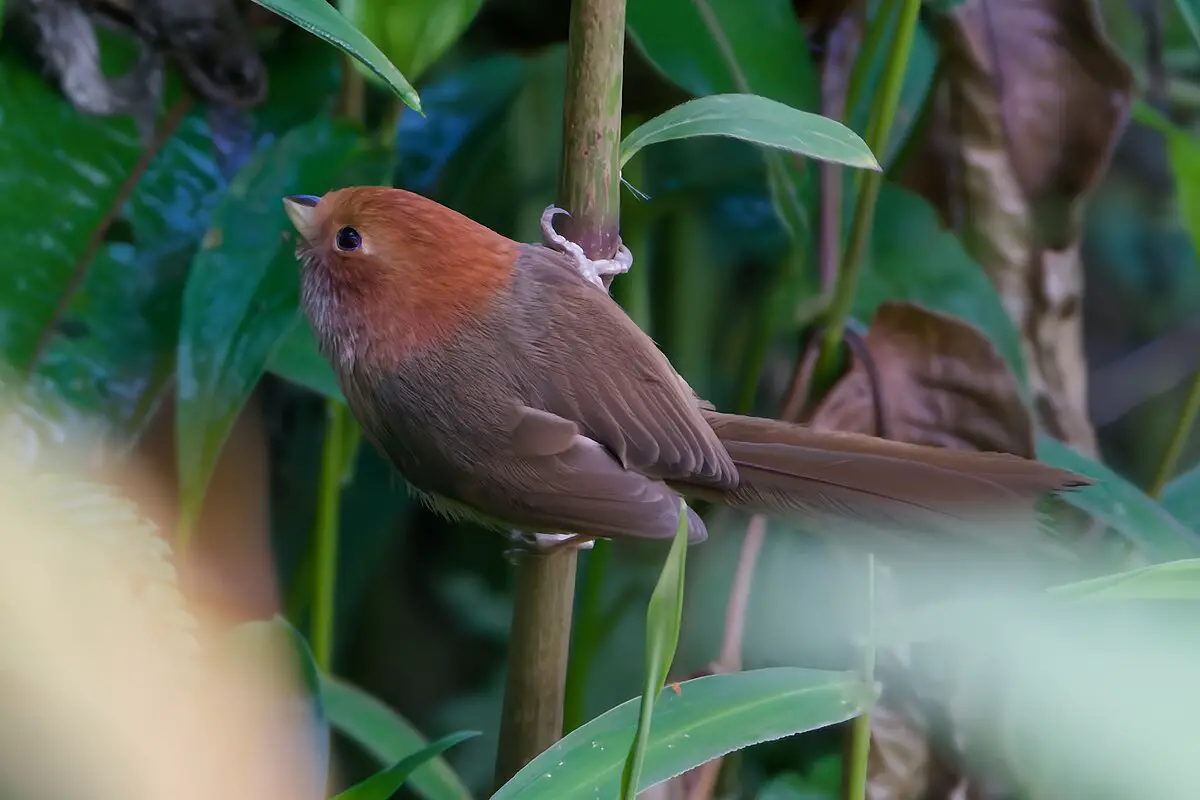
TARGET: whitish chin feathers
(320,298)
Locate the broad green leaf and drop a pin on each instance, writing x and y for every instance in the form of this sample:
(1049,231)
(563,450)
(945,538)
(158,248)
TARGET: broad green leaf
(938,274)
(707,718)
(388,737)
(1121,505)
(663,619)
(242,294)
(93,316)
(1174,580)
(758,120)
(412,34)
(382,785)
(298,359)
(1181,498)
(321,19)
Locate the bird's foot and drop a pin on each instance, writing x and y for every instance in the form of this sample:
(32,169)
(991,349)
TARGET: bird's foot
(591,270)
(545,543)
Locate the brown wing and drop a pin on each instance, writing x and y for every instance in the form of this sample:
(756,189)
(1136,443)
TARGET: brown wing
(604,373)
(555,479)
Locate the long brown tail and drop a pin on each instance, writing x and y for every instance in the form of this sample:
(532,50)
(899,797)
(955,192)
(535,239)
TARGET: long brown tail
(794,468)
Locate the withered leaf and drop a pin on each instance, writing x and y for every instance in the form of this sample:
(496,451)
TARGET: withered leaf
(940,382)
(1031,102)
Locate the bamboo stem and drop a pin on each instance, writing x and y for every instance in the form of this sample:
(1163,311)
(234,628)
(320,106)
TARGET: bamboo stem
(589,188)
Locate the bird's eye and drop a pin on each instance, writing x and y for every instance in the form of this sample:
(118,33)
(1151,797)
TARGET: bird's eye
(348,239)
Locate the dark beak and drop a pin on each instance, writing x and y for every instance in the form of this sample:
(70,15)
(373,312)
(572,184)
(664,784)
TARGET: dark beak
(302,211)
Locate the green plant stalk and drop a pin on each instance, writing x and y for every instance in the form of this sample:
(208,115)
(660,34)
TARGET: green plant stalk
(860,731)
(325,534)
(632,291)
(883,113)
(1179,438)
(589,188)
(589,636)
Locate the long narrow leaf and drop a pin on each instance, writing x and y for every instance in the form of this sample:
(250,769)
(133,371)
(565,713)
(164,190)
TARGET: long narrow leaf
(382,785)
(708,717)
(664,617)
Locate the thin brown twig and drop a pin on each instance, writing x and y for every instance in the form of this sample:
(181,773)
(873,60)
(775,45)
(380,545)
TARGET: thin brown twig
(165,131)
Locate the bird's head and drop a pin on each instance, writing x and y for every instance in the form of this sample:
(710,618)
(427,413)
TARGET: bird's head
(387,270)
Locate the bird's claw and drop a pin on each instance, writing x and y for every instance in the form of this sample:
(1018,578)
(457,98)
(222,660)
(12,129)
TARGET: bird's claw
(525,543)
(592,270)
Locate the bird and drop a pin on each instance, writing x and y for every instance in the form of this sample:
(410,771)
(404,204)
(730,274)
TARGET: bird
(509,389)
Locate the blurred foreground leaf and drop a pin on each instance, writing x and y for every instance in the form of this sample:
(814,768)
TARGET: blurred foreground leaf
(321,19)
(758,120)
(1181,498)
(1118,503)
(383,785)
(388,737)
(663,618)
(1174,580)
(242,293)
(709,717)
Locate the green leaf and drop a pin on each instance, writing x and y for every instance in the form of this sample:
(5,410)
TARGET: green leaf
(1184,151)
(321,19)
(388,737)
(1181,498)
(1121,505)
(758,120)
(664,616)
(720,46)
(1189,11)
(298,360)
(382,785)
(1174,580)
(242,294)
(415,33)
(709,717)
(939,274)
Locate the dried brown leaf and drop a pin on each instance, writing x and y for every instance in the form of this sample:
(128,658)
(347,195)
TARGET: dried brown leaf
(1031,103)
(940,382)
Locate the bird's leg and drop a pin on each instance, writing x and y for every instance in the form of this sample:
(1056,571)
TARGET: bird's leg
(591,270)
(544,543)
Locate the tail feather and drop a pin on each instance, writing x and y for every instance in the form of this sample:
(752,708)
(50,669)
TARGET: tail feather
(786,467)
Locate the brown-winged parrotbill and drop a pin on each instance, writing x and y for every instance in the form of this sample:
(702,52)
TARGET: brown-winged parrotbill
(511,390)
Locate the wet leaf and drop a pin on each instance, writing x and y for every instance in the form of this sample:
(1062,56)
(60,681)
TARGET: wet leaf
(709,717)
(1032,101)
(321,19)
(940,383)
(758,120)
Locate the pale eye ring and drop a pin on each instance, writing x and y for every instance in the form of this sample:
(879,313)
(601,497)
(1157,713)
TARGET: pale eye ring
(347,239)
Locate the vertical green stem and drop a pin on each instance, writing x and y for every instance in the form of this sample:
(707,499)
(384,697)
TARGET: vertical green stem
(878,130)
(1179,438)
(325,536)
(589,188)
(589,634)
(860,733)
